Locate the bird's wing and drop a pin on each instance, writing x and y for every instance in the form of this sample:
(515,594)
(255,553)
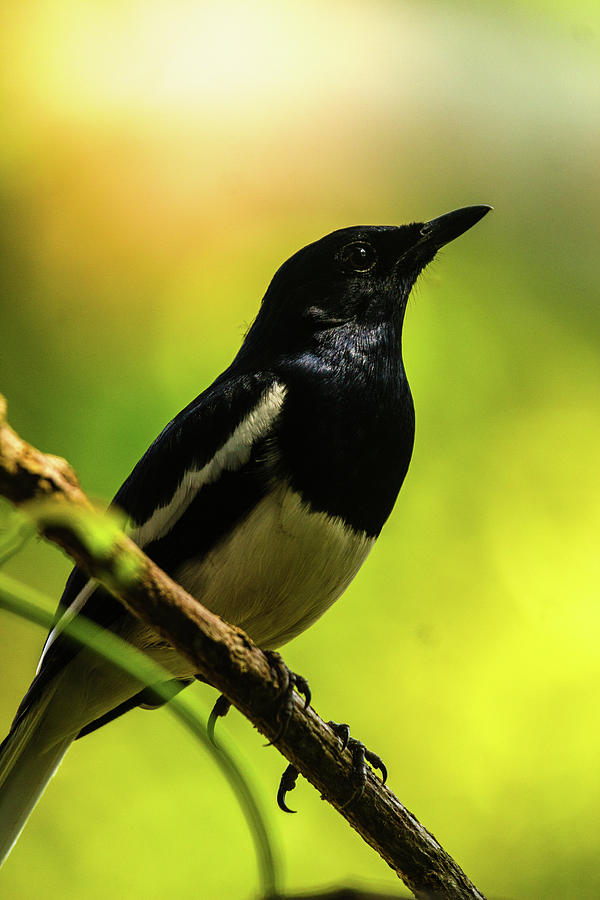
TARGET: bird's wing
(214,448)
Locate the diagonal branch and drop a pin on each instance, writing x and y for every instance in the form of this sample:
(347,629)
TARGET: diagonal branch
(47,488)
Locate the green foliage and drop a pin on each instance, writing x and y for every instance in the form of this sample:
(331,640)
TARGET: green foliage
(27,603)
(100,534)
(16,530)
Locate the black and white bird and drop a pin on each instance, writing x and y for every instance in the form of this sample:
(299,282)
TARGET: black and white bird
(264,496)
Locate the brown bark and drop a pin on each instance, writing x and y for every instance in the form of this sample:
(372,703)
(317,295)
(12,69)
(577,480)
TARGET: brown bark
(229,660)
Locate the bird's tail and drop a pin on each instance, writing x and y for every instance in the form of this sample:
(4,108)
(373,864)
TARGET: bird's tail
(25,770)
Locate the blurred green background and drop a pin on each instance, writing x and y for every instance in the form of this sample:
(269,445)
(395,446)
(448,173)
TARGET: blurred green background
(159,160)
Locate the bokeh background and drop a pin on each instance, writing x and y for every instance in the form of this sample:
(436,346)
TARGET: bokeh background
(159,160)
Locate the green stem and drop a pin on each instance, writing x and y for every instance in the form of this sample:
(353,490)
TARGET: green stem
(29,604)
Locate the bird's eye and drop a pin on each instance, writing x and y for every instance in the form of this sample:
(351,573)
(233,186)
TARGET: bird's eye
(359,256)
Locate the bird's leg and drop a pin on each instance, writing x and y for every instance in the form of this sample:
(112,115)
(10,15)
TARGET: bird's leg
(360,757)
(288,680)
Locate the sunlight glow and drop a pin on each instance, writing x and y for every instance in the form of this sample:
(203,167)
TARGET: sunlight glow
(96,58)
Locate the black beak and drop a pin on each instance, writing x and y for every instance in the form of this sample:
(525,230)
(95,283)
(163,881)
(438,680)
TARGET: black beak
(444,229)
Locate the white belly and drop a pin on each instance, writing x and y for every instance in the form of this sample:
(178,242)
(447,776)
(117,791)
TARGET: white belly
(279,570)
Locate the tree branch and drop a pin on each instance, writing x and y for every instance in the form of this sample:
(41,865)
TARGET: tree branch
(47,488)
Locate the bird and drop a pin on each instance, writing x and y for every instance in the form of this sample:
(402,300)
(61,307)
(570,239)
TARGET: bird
(263,497)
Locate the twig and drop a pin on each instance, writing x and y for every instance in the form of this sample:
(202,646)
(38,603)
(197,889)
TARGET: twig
(227,658)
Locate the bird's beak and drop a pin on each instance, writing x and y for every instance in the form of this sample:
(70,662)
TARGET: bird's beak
(444,229)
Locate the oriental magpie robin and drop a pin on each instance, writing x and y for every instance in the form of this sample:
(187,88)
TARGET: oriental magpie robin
(264,496)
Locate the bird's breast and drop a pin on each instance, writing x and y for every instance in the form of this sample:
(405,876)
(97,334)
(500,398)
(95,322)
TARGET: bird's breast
(279,569)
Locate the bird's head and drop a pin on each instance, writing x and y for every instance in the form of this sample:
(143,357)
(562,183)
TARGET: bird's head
(360,275)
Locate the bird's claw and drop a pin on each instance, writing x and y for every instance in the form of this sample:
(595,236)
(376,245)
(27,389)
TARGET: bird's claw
(360,757)
(220,709)
(341,730)
(288,681)
(287,783)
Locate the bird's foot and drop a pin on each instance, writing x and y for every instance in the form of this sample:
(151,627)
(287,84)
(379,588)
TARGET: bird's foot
(220,709)
(287,783)
(360,757)
(288,680)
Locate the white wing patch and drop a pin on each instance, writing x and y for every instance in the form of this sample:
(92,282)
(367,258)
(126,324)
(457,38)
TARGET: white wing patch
(234,453)
(69,614)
